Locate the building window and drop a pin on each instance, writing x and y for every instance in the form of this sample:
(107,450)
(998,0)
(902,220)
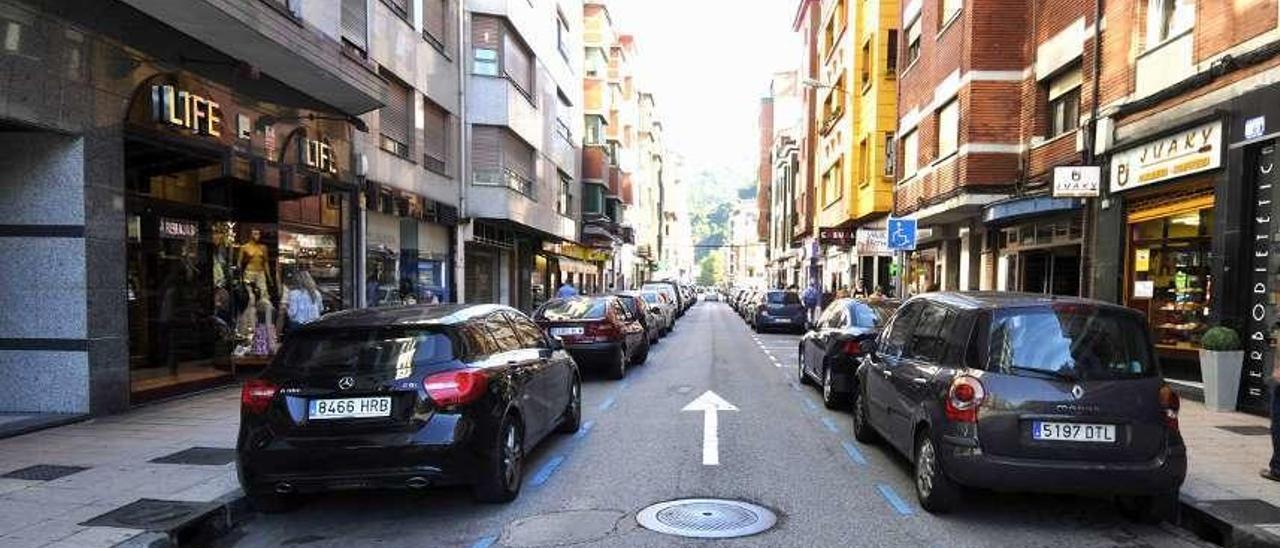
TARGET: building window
(595,129)
(948,10)
(865,74)
(592,199)
(891,53)
(399,7)
(518,64)
(1168,18)
(835,25)
(910,154)
(913,42)
(890,158)
(864,169)
(500,158)
(435,17)
(563,114)
(597,63)
(355,24)
(565,204)
(1064,102)
(562,35)
(396,119)
(948,129)
(833,183)
(486,43)
(435,146)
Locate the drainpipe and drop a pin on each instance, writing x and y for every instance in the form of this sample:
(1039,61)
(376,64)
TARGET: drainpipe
(464,165)
(1090,158)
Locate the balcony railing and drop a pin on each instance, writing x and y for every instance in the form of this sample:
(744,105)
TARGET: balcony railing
(505,177)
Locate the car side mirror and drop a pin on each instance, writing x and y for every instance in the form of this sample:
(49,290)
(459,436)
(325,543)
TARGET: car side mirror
(556,343)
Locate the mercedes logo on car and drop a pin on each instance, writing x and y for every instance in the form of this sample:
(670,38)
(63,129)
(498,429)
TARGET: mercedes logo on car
(346,383)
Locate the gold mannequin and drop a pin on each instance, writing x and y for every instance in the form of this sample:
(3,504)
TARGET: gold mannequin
(254,255)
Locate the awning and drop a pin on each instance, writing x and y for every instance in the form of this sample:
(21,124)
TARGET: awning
(1009,211)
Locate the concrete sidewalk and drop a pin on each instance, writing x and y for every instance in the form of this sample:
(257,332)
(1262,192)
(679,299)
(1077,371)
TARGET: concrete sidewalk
(91,468)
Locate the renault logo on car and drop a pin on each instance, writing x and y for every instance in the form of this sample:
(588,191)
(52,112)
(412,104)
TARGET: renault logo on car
(346,383)
(1077,391)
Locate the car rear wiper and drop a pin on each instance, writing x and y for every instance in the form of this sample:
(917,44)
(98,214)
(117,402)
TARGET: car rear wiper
(1048,372)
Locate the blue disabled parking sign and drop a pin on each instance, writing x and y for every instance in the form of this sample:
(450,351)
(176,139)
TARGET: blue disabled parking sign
(901,234)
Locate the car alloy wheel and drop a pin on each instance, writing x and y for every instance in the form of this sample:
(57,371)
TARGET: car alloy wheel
(620,364)
(571,422)
(830,397)
(504,470)
(926,467)
(511,453)
(862,430)
(936,492)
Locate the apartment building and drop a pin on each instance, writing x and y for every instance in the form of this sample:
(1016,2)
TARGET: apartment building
(856,44)
(523,122)
(1187,129)
(783,163)
(807,22)
(413,149)
(745,263)
(161,174)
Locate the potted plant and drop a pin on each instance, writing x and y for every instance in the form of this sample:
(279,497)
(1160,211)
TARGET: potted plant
(1221,360)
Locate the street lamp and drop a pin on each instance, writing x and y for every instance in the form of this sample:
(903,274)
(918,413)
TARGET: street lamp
(818,84)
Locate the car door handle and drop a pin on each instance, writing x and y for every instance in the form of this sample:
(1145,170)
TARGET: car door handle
(887,373)
(920,381)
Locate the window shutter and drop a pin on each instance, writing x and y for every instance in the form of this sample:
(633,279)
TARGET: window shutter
(355,22)
(1068,81)
(436,134)
(486,148)
(518,64)
(517,156)
(434,15)
(486,32)
(397,116)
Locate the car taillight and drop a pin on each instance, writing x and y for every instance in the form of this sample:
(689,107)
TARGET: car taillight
(605,330)
(964,398)
(256,395)
(852,348)
(1170,403)
(457,387)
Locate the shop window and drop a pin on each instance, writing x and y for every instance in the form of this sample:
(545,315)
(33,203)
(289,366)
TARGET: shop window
(1064,102)
(948,129)
(397,118)
(910,154)
(913,42)
(1167,19)
(435,126)
(1170,273)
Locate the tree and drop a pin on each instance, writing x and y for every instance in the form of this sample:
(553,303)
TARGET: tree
(711,269)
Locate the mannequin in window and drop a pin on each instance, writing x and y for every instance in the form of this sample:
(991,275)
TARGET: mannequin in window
(255,262)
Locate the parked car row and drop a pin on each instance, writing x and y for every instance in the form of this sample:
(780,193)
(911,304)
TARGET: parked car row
(428,395)
(771,309)
(1005,391)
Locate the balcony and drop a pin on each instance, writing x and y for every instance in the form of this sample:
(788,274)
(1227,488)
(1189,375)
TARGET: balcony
(595,163)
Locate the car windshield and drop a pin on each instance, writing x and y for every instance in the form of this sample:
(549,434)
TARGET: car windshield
(649,297)
(783,297)
(871,315)
(573,309)
(364,351)
(1070,342)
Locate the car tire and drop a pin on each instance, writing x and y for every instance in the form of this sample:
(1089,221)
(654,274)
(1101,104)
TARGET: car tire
(935,491)
(571,420)
(618,369)
(643,356)
(800,375)
(274,503)
(862,429)
(830,398)
(502,473)
(1149,509)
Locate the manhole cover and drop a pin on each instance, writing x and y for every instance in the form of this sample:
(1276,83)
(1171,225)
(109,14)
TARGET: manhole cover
(151,514)
(43,472)
(706,518)
(1247,430)
(207,456)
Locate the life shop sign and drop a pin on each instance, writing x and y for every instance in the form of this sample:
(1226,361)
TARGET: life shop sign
(187,110)
(1186,152)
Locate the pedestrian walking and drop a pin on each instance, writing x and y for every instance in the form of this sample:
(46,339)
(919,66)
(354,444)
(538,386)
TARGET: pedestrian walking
(566,290)
(810,299)
(1272,471)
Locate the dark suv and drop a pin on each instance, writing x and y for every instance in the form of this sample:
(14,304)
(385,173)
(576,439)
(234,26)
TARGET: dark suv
(1023,392)
(778,309)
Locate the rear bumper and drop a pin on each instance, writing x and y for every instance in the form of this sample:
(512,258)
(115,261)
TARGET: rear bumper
(593,353)
(441,454)
(965,464)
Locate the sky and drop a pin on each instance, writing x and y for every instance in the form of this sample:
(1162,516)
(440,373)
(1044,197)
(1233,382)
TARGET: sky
(708,64)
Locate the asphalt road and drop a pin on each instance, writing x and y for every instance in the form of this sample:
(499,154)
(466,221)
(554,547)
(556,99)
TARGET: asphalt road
(781,450)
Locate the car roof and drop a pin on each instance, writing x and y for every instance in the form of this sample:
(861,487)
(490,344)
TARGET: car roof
(409,315)
(975,300)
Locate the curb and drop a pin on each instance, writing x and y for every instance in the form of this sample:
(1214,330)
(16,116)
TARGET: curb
(1238,523)
(216,520)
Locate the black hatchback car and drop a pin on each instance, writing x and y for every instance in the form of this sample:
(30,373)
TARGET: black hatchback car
(830,353)
(406,397)
(1021,392)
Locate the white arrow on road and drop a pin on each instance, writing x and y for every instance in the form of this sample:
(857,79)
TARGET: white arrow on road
(710,404)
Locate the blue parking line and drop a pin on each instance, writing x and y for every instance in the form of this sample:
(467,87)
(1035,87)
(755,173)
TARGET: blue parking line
(854,454)
(547,469)
(485,542)
(809,404)
(894,500)
(607,403)
(830,424)
(586,429)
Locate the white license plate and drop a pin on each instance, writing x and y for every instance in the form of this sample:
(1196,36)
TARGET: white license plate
(562,331)
(782,320)
(350,408)
(1071,431)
